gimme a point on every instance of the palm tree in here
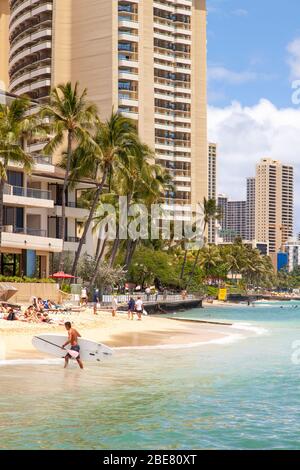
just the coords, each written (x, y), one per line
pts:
(210, 260)
(70, 116)
(115, 140)
(210, 212)
(141, 181)
(236, 259)
(150, 184)
(15, 125)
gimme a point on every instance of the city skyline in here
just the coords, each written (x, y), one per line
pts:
(251, 113)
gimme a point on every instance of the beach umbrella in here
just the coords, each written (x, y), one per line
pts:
(62, 275)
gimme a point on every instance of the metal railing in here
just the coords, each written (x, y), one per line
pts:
(72, 239)
(43, 159)
(31, 231)
(124, 298)
(27, 192)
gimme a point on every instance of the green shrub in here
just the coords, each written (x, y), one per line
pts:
(212, 291)
(66, 288)
(25, 279)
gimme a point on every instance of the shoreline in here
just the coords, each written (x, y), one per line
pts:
(118, 332)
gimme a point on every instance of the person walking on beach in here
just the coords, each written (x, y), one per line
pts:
(139, 306)
(84, 296)
(96, 300)
(114, 306)
(73, 336)
(148, 293)
(131, 307)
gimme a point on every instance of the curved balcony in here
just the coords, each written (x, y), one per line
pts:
(26, 40)
(33, 87)
(25, 57)
(29, 19)
(29, 75)
(34, 9)
(21, 7)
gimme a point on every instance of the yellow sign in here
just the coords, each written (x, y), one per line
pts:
(222, 294)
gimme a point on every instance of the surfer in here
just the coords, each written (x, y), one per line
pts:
(73, 341)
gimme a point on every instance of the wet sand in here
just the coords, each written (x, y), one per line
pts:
(15, 337)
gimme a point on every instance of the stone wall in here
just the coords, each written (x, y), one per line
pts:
(28, 290)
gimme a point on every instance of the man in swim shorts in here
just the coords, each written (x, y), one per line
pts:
(73, 336)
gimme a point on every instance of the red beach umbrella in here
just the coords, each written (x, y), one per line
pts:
(62, 275)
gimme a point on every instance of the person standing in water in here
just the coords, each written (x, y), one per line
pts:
(73, 336)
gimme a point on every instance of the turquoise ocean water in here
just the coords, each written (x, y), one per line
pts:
(242, 394)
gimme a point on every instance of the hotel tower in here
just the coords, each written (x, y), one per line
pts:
(274, 203)
(146, 58)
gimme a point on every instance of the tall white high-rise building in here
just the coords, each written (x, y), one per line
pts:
(250, 209)
(212, 187)
(274, 203)
(145, 58)
(233, 222)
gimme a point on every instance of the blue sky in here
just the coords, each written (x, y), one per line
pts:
(253, 59)
(249, 38)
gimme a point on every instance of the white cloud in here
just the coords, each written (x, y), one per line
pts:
(246, 134)
(240, 12)
(222, 74)
(293, 60)
(219, 73)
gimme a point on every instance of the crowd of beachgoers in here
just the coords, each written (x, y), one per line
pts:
(37, 312)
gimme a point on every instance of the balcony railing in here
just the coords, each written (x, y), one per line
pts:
(27, 192)
(73, 240)
(128, 17)
(130, 96)
(43, 159)
(129, 56)
(72, 204)
(31, 231)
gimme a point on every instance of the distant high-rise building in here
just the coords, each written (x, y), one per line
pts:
(212, 187)
(234, 219)
(145, 58)
(292, 248)
(274, 200)
(250, 223)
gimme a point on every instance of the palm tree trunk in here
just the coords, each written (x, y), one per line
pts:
(2, 183)
(89, 221)
(98, 247)
(196, 260)
(115, 248)
(99, 259)
(131, 251)
(183, 265)
(63, 202)
(128, 251)
(129, 241)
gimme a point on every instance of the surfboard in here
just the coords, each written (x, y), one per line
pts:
(90, 351)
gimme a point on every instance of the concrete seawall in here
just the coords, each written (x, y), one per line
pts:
(158, 308)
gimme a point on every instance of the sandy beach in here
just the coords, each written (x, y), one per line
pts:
(15, 337)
